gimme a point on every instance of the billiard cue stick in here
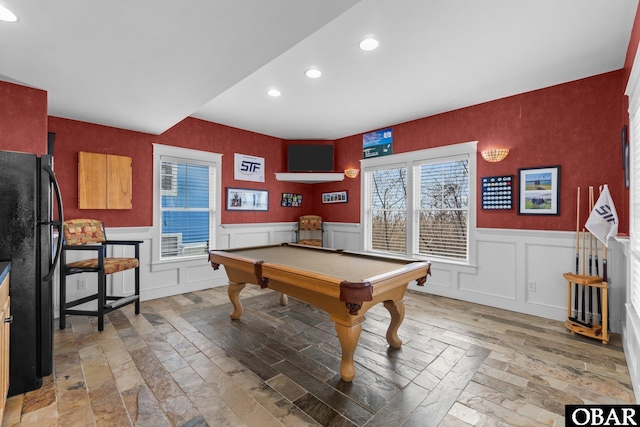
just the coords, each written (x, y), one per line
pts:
(590, 290)
(584, 254)
(575, 302)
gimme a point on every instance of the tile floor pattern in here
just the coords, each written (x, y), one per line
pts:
(183, 362)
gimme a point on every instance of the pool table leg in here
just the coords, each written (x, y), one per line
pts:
(234, 295)
(348, 336)
(396, 309)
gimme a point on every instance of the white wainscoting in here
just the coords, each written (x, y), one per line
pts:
(507, 261)
(174, 277)
(630, 325)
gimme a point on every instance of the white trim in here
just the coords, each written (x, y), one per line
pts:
(186, 153)
(420, 155)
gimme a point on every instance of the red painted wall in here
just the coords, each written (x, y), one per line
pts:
(207, 136)
(575, 125)
(74, 136)
(23, 119)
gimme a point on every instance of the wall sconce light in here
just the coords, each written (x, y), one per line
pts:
(351, 172)
(495, 154)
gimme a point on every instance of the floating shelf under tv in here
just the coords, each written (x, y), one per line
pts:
(310, 177)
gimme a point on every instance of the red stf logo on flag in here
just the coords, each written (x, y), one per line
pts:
(603, 221)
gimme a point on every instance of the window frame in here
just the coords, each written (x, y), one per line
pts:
(187, 155)
(633, 92)
(413, 160)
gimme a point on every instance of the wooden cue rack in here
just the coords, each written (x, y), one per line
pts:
(599, 332)
(582, 281)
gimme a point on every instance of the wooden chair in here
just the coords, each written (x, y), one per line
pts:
(310, 230)
(89, 235)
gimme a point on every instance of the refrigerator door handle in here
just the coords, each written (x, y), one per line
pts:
(57, 224)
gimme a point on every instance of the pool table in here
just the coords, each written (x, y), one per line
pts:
(344, 284)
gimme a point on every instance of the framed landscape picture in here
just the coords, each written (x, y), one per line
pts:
(539, 191)
(246, 199)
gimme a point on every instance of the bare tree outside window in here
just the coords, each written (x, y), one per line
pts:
(389, 210)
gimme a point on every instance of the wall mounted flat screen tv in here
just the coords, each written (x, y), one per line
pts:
(310, 158)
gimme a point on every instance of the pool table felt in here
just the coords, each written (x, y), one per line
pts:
(345, 266)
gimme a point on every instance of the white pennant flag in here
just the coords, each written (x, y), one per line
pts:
(603, 221)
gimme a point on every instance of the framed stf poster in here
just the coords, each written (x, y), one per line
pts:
(377, 143)
(248, 168)
(539, 191)
(246, 199)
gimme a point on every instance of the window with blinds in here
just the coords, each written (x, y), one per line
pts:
(388, 195)
(444, 208)
(420, 203)
(634, 280)
(186, 207)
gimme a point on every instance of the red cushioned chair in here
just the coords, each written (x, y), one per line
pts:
(88, 235)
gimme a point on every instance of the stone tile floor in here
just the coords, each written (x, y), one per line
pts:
(183, 362)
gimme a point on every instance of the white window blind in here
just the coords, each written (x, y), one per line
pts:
(635, 208)
(443, 211)
(388, 210)
(186, 207)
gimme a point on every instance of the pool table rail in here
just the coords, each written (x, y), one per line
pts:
(353, 293)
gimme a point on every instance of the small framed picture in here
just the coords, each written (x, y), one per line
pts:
(246, 199)
(539, 191)
(335, 197)
(291, 200)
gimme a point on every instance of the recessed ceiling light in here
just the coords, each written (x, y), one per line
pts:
(369, 44)
(313, 73)
(6, 15)
(274, 92)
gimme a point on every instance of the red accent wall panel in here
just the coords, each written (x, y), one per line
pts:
(23, 119)
(203, 135)
(73, 136)
(575, 125)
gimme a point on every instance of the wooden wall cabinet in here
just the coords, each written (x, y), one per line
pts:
(5, 325)
(104, 181)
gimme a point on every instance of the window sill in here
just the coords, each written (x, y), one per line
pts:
(172, 264)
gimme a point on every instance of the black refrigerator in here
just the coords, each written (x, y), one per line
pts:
(28, 225)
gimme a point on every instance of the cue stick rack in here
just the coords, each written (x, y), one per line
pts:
(586, 281)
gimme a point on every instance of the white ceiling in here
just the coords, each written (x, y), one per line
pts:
(145, 65)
